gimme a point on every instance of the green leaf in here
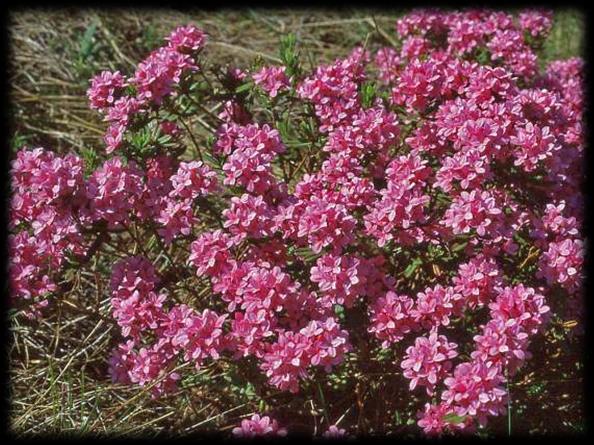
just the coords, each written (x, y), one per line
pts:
(141, 138)
(209, 158)
(339, 311)
(454, 418)
(86, 42)
(307, 254)
(150, 37)
(459, 246)
(368, 94)
(412, 267)
(244, 87)
(18, 141)
(283, 128)
(289, 55)
(90, 159)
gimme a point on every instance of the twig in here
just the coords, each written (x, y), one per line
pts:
(372, 21)
(112, 42)
(250, 51)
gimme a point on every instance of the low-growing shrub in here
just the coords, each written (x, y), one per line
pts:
(416, 211)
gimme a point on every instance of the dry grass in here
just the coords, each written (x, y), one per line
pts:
(58, 370)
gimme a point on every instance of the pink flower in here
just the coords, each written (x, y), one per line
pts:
(333, 432)
(432, 420)
(333, 90)
(249, 330)
(455, 149)
(157, 75)
(520, 305)
(421, 21)
(428, 361)
(476, 389)
(402, 202)
(329, 343)
(123, 110)
(187, 39)
(472, 210)
(339, 278)
(135, 304)
(193, 179)
(285, 361)
(259, 426)
(198, 335)
(104, 89)
(210, 253)
(272, 80)
(477, 280)
(537, 22)
(326, 224)
(435, 306)
(320, 343)
(251, 149)
(532, 145)
(177, 218)
(248, 217)
(113, 191)
(388, 61)
(419, 85)
(170, 128)
(391, 319)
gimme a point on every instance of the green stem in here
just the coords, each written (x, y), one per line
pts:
(508, 404)
(323, 403)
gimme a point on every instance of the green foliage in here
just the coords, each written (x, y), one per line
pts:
(142, 141)
(245, 87)
(289, 55)
(368, 94)
(412, 267)
(307, 254)
(454, 418)
(86, 44)
(339, 311)
(536, 388)
(150, 37)
(18, 141)
(86, 50)
(483, 56)
(90, 160)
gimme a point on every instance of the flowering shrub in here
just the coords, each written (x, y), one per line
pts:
(369, 206)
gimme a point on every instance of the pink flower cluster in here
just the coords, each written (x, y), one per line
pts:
(467, 33)
(476, 388)
(317, 344)
(104, 89)
(344, 279)
(258, 426)
(143, 314)
(250, 149)
(114, 192)
(472, 210)
(272, 80)
(191, 181)
(334, 432)
(333, 89)
(428, 361)
(155, 78)
(47, 193)
(537, 23)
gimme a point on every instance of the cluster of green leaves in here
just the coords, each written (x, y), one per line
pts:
(290, 56)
